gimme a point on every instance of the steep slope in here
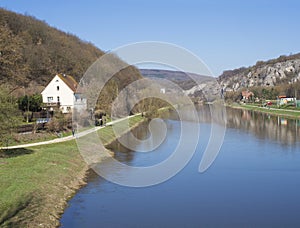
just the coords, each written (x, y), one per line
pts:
(178, 77)
(280, 76)
(32, 52)
(205, 90)
(282, 71)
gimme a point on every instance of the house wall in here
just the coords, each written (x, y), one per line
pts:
(287, 100)
(65, 94)
(80, 103)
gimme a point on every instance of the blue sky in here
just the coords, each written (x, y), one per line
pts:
(224, 34)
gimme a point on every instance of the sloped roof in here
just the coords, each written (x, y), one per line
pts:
(69, 80)
(247, 94)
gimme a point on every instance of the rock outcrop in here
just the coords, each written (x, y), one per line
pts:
(284, 70)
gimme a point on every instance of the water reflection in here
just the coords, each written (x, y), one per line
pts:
(265, 126)
(122, 153)
(135, 156)
(247, 186)
(262, 125)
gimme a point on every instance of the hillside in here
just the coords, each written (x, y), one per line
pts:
(268, 79)
(177, 77)
(279, 72)
(32, 52)
(206, 90)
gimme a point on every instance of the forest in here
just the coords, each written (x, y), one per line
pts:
(32, 53)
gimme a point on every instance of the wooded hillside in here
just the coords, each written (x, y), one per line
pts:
(33, 52)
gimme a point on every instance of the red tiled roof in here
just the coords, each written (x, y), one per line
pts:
(69, 80)
(247, 94)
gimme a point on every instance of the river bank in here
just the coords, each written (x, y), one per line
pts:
(251, 183)
(37, 182)
(295, 114)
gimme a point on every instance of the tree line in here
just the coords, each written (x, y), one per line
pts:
(267, 93)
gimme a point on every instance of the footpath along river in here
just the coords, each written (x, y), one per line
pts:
(254, 182)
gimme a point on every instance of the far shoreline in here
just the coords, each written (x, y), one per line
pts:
(291, 114)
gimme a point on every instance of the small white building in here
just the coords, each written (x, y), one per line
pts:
(287, 100)
(61, 92)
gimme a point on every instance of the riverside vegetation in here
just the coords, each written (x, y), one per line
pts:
(290, 113)
(39, 180)
(31, 53)
(36, 182)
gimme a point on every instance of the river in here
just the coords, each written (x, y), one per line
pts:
(252, 183)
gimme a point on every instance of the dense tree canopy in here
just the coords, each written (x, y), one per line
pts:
(33, 52)
(30, 103)
(30, 50)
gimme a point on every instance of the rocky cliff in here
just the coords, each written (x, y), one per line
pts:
(283, 70)
(283, 73)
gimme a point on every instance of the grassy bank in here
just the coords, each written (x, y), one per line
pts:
(36, 182)
(272, 111)
(107, 135)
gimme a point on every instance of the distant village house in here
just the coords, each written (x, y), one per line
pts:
(283, 100)
(246, 95)
(62, 92)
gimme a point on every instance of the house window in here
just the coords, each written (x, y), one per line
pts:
(57, 87)
(58, 100)
(49, 99)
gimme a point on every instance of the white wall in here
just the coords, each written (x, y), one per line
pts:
(65, 94)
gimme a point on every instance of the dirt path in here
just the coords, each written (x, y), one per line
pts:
(67, 138)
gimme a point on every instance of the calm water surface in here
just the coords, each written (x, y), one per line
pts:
(254, 182)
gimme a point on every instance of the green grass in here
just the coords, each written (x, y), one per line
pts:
(32, 138)
(45, 136)
(38, 175)
(36, 182)
(107, 134)
(281, 112)
(274, 105)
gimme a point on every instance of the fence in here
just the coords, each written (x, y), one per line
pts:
(30, 127)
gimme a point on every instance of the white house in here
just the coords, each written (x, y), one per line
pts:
(287, 100)
(61, 92)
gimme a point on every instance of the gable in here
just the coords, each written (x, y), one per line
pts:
(69, 81)
(57, 84)
(66, 79)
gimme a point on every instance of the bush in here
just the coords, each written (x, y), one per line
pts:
(59, 122)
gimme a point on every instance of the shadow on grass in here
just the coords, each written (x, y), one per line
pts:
(10, 216)
(8, 153)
